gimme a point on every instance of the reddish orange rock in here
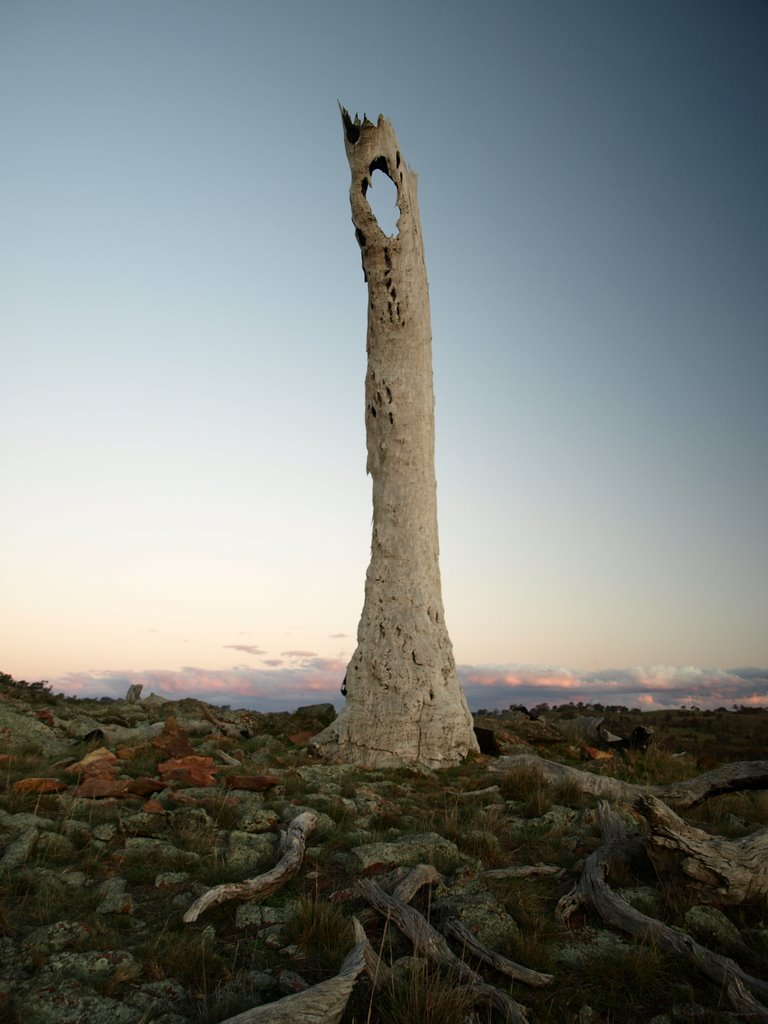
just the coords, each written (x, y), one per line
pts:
(153, 807)
(39, 786)
(194, 769)
(99, 789)
(143, 786)
(300, 738)
(597, 755)
(173, 741)
(100, 763)
(252, 783)
(44, 715)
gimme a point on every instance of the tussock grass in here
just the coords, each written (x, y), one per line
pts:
(421, 993)
(323, 934)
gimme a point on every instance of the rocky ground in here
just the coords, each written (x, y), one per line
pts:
(116, 816)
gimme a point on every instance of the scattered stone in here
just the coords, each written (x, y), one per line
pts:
(157, 852)
(19, 851)
(247, 851)
(713, 929)
(251, 783)
(133, 694)
(256, 915)
(33, 785)
(102, 789)
(376, 857)
(166, 879)
(54, 938)
(97, 764)
(192, 769)
(256, 819)
(114, 897)
(69, 1001)
(173, 741)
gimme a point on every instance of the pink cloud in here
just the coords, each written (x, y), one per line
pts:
(310, 678)
(267, 689)
(245, 648)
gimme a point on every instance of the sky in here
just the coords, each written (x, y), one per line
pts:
(182, 340)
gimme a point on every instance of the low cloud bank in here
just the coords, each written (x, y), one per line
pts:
(309, 679)
(657, 686)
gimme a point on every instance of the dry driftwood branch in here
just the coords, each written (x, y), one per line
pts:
(473, 945)
(417, 878)
(293, 841)
(320, 1004)
(425, 938)
(473, 793)
(593, 890)
(728, 778)
(406, 888)
(378, 972)
(430, 943)
(746, 1004)
(735, 871)
(526, 871)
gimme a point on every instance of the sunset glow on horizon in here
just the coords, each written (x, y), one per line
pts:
(183, 331)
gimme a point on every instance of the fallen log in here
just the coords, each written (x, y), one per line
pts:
(431, 944)
(746, 1004)
(500, 963)
(592, 890)
(406, 888)
(426, 939)
(731, 871)
(526, 871)
(728, 778)
(293, 841)
(378, 972)
(321, 1004)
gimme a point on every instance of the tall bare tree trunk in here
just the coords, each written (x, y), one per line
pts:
(404, 702)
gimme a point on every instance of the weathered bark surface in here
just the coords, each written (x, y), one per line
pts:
(320, 1004)
(593, 890)
(290, 855)
(404, 702)
(473, 945)
(730, 871)
(728, 778)
(431, 944)
(526, 871)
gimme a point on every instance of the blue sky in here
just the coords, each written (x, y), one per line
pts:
(182, 322)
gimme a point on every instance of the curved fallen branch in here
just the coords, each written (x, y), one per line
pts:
(293, 842)
(735, 871)
(378, 972)
(430, 943)
(406, 888)
(593, 890)
(473, 945)
(728, 778)
(321, 1004)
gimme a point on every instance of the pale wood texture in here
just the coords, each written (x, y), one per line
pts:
(592, 890)
(404, 702)
(727, 870)
(430, 943)
(728, 778)
(293, 841)
(473, 945)
(321, 1004)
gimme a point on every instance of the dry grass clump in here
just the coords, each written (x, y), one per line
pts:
(322, 933)
(420, 992)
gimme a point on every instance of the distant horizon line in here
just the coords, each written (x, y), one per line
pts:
(313, 679)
